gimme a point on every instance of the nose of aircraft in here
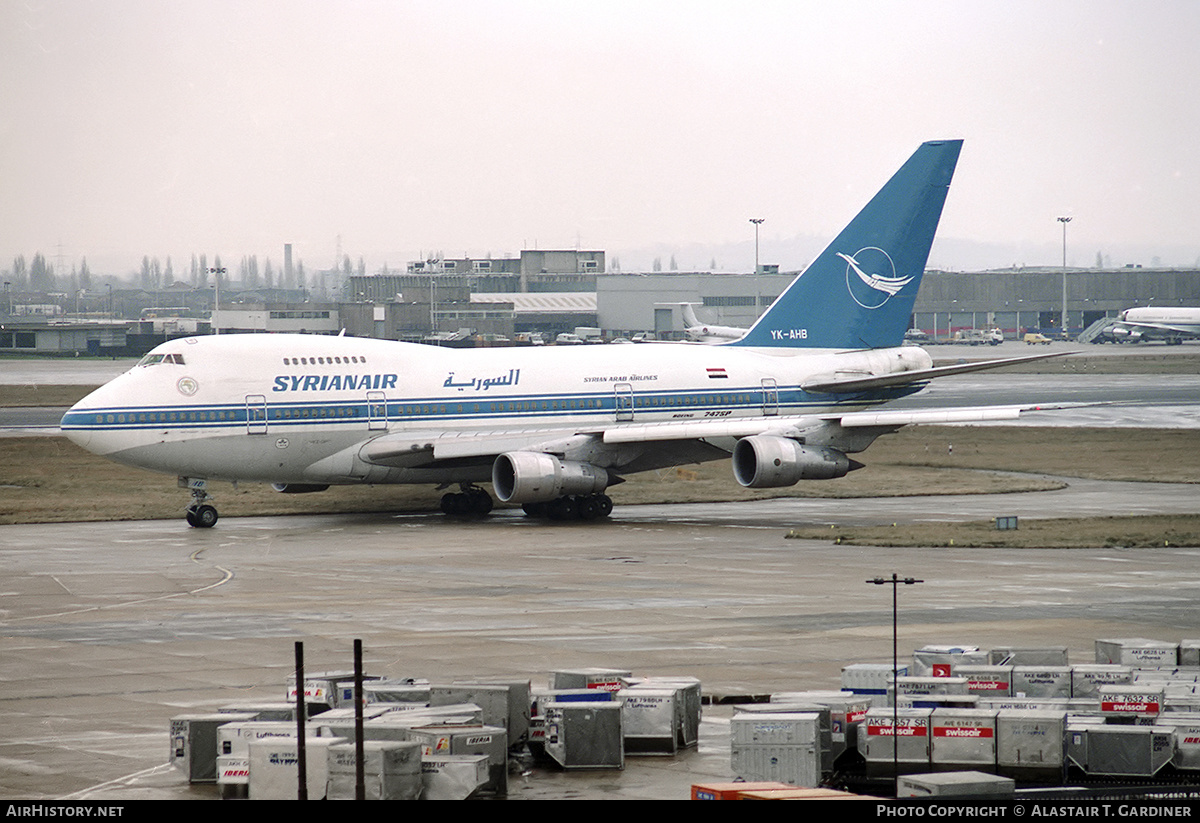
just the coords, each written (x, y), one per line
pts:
(83, 424)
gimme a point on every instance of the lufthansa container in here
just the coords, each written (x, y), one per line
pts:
(908, 686)
(986, 681)
(391, 770)
(1028, 656)
(1041, 681)
(688, 702)
(233, 752)
(783, 746)
(584, 735)
(904, 738)
(649, 718)
(963, 738)
(1119, 751)
(1029, 743)
(870, 678)
(1137, 652)
(1087, 678)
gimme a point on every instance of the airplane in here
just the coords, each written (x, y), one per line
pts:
(703, 332)
(551, 428)
(1155, 323)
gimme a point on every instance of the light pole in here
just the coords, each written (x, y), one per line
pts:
(757, 221)
(894, 581)
(1064, 221)
(216, 272)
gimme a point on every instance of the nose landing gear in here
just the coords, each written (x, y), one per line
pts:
(201, 514)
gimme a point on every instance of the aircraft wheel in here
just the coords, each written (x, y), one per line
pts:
(606, 505)
(450, 503)
(564, 508)
(589, 508)
(534, 509)
(480, 502)
(191, 517)
(205, 517)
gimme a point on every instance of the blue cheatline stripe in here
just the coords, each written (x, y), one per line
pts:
(660, 405)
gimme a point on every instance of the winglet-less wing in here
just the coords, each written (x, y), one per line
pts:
(793, 425)
(849, 385)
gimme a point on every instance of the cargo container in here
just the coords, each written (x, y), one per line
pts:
(782, 746)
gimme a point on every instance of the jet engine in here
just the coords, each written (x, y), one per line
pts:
(765, 462)
(298, 488)
(536, 477)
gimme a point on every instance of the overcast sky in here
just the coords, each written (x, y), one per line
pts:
(231, 127)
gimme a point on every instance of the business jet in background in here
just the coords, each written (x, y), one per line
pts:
(1156, 323)
(705, 332)
(551, 428)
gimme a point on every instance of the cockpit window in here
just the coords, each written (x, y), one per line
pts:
(155, 359)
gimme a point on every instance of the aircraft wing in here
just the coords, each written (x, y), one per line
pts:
(1160, 327)
(409, 447)
(795, 424)
(416, 448)
(851, 384)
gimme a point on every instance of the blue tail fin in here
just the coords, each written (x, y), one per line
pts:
(859, 293)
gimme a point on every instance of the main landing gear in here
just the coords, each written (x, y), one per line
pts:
(472, 500)
(201, 514)
(572, 507)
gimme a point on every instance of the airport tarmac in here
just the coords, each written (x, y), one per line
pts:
(107, 630)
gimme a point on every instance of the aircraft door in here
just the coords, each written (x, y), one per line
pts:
(377, 411)
(770, 397)
(256, 414)
(623, 401)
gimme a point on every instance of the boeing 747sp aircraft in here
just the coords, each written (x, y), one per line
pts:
(552, 428)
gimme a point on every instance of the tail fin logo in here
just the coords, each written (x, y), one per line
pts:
(872, 290)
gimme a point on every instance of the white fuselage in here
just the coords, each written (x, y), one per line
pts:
(1154, 321)
(300, 408)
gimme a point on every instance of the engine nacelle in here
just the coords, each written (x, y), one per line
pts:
(298, 488)
(765, 462)
(536, 477)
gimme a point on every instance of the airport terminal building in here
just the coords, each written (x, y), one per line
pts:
(549, 292)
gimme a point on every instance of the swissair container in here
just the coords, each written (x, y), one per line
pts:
(963, 738)
(906, 739)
